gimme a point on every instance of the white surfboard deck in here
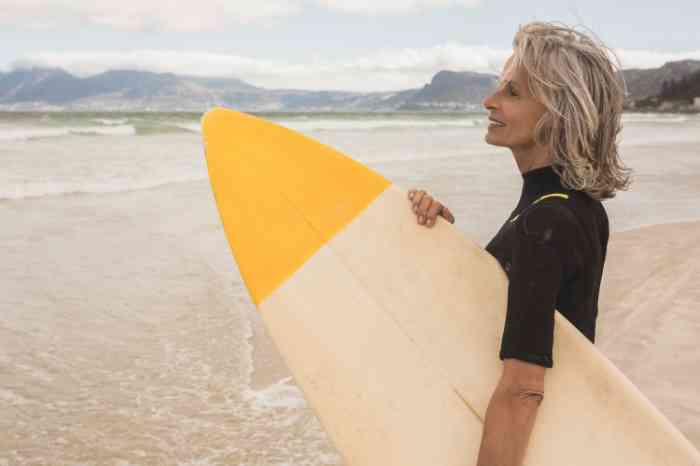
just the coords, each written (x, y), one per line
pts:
(392, 332)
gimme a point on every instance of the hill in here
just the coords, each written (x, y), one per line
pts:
(54, 88)
(648, 82)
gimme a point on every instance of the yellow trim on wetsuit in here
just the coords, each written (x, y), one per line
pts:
(562, 195)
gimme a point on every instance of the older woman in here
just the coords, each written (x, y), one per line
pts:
(558, 109)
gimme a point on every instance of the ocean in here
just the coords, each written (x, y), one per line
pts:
(126, 334)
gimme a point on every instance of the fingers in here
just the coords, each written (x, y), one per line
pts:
(416, 196)
(421, 203)
(447, 215)
(432, 213)
(427, 209)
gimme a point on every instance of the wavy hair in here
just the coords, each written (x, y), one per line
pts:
(574, 77)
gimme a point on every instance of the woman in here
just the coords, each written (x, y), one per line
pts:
(558, 109)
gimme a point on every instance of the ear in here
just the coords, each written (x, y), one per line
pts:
(544, 128)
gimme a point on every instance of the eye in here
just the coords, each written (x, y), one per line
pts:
(511, 90)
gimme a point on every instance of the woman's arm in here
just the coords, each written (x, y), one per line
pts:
(511, 414)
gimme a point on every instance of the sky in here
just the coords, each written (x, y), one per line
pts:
(353, 45)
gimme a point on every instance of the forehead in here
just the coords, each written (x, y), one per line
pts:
(512, 73)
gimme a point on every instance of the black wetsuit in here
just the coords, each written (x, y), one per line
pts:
(553, 250)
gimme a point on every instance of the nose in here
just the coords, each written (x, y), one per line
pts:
(489, 101)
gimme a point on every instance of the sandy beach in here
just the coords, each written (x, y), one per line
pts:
(649, 323)
(109, 370)
(128, 338)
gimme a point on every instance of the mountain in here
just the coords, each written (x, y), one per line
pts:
(450, 89)
(647, 83)
(56, 87)
(685, 89)
(40, 88)
(44, 85)
(142, 90)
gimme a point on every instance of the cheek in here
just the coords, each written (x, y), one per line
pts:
(536, 115)
(527, 122)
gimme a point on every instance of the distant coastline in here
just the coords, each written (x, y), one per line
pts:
(671, 88)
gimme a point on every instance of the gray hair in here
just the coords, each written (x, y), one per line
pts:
(573, 76)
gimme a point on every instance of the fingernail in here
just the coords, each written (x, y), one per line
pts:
(421, 219)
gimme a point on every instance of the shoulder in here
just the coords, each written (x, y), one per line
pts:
(550, 221)
(552, 232)
(549, 238)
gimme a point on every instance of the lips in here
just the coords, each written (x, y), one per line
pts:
(496, 122)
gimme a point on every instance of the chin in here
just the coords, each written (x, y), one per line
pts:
(493, 141)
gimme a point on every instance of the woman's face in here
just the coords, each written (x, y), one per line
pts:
(513, 111)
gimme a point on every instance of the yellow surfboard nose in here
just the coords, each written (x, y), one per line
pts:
(281, 195)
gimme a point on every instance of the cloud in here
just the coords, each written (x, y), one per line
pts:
(162, 15)
(652, 59)
(141, 15)
(392, 6)
(383, 70)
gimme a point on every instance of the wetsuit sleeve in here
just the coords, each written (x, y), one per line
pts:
(543, 258)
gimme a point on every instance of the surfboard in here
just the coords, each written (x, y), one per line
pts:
(392, 330)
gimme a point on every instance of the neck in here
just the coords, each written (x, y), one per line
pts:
(531, 157)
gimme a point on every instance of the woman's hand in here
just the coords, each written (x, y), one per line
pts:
(427, 209)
